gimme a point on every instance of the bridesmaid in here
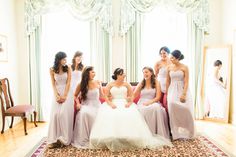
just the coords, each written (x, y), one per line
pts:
(152, 111)
(180, 104)
(90, 90)
(77, 67)
(61, 121)
(161, 72)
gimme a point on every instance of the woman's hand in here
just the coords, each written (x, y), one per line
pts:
(183, 98)
(128, 104)
(113, 106)
(63, 99)
(77, 102)
(58, 99)
(146, 103)
(110, 97)
(128, 99)
(78, 106)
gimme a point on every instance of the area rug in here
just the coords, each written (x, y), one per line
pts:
(198, 147)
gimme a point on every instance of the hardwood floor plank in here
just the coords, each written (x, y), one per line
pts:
(13, 143)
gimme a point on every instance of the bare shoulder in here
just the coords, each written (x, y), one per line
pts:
(98, 82)
(157, 82)
(169, 67)
(110, 84)
(51, 70)
(140, 84)
(169, 62)
(127, 84)
(184, 67)
(157, 64)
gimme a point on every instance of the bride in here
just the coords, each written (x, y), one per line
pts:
(119, 125)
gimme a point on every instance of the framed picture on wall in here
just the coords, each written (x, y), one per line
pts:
(3, 48)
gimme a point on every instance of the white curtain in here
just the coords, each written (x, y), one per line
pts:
(89, 10)
(101, 55)
(198, 24)
(81, 9)
(199, 8)
(33, 44)
(133, 49)
(195, 49)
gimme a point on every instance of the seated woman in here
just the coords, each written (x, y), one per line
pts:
(152, 111)
(89, 91)
(180, 104)
(119, 125)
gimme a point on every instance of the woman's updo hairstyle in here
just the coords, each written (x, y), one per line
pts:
(217, 63)
(177, 54)
(117, 72)
(164, 48)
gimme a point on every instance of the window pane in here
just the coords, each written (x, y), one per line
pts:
(162, 28)
(61, 32)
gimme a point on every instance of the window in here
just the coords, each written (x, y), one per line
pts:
(60, 32)
(162, 27)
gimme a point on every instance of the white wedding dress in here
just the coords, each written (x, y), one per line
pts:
(122, 128)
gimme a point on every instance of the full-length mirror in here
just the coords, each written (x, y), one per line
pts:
(216, 82)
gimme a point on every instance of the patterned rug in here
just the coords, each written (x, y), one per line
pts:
(198, 147)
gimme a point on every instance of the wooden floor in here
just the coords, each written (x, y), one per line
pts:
(13, 143)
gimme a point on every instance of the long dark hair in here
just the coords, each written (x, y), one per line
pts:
(58, 57)
(118, 71)
(84, 82)
(80, 66)
(153, 79)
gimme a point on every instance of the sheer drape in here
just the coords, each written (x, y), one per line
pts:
(133, 49)
(101, 51)
(89, 10)
(198, 22)
(34, 39)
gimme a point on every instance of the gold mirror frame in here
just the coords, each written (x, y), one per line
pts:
(211, 50)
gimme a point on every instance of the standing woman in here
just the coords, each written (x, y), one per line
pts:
(161, 72)
(77, 67)
(61, 121)
(90, 90)
(149, 106)
(180, 104)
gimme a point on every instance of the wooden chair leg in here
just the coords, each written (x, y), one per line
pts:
(3, 124)
(12, 120)
(35, 115)
(24, 120)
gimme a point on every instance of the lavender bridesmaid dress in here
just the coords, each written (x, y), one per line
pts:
(162, 80)
(180, 114)
(154, 114)
(75, 79)
(85, 119)
(61, 121)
